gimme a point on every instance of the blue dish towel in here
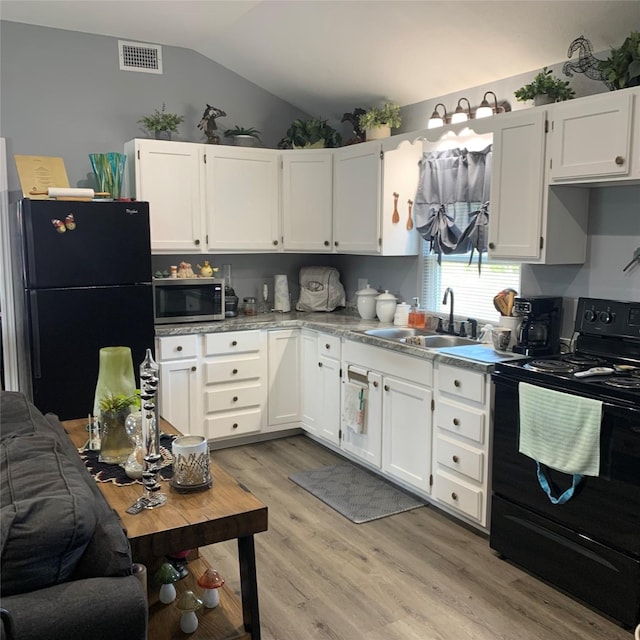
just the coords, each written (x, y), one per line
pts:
(560, 430)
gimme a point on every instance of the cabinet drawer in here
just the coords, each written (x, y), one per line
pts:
(462, 421)
(233, 423)
(177, 347)
(459, 495)
(232, 369)
(329, 346)
(229, 398)
(460, 457)
(231, 342)
(461, 383)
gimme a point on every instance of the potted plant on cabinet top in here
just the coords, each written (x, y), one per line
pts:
(622, 67)
(243, 136)
(314, 133)
(378, 121)
(545, 88)
(161, 123)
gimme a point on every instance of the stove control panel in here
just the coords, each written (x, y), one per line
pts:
(610, 318)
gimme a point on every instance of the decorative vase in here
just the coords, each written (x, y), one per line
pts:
(376, 133)
(115, 392)
(244, 141)
(541, 99)
(311, 145)
(108, 169)
(163, 135)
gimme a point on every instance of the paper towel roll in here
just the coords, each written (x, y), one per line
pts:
(281, 294)
(70, 192)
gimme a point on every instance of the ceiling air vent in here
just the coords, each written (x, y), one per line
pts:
(138, 56)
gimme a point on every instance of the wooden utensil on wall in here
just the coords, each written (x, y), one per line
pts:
(395, 218)
(409, 219)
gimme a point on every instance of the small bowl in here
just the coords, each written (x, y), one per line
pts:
(501, 336)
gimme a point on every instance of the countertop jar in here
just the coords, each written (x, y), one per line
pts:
(250, 306)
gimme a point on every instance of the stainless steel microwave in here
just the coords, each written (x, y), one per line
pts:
(188, 300)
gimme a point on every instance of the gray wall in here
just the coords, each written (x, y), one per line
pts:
(64, 95)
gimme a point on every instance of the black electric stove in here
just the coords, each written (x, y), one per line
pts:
(589, 547)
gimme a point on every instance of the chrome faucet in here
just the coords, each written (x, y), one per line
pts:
(451, 327)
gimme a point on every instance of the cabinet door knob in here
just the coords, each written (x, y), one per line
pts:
(457, 383)
(179, 348)
(319, 364)
(275, 243)
(619, 160)
(454, 495)
(386, 387)
(234, 343)
(326, 243)
(456, 422)
(454, 458)
(492, 245)
(235, 398)
(197, 242)
(234, 425)
(375, 384)
(234, 372)
(193, 368)
(335, 244)
(327, 346)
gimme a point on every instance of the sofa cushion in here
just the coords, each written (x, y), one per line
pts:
(47, 513)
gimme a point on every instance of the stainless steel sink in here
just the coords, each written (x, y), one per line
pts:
(438, 340)
(395, 333)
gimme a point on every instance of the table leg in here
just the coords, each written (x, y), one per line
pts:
(249, 586)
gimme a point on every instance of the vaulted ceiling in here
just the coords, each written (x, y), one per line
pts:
(326, 56)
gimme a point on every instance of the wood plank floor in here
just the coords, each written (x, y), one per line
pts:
(417, 575)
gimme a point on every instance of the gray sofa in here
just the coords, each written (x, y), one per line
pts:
(65, 560)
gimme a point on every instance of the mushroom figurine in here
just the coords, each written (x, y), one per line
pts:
(210, 581)
(166, 575)
(189, 603)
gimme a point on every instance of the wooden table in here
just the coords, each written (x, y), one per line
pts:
(187, 521)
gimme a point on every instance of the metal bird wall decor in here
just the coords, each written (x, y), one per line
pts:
(586, 63)
(208, 123)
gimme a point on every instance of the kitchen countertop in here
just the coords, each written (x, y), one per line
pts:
(345, 324)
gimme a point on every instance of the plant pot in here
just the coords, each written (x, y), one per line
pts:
(244, 141)
(163, 135)
(542, 99)
(311, 145)
(377, 133)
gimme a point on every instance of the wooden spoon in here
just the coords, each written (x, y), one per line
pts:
(395, 218)
(409, 220)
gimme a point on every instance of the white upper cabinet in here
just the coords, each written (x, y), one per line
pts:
(307, 200)
(517, 185)
(169, 176)
(242, 198)
(366, 177)
(592, 139)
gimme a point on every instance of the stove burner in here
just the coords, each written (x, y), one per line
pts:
(551, 366)
(583, 360)
(623, 382)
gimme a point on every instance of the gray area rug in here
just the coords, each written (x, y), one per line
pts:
(357, 494)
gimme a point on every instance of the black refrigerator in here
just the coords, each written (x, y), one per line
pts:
(82, 281)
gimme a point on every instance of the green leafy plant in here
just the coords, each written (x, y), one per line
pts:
(161, 121)
(242, 131)
(305, 133)
(388, 115)
(545, 83)
(117, 403)
(622, 67)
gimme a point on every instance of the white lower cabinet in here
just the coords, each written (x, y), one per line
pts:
(234, 383)
(284, 349)
(321, 385)
(461, 441)
(179, 391)
(398, 412)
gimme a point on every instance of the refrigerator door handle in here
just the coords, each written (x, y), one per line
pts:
(35, 335)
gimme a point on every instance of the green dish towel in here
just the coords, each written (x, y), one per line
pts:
(560, 430)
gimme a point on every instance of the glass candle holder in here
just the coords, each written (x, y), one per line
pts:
(191, 470)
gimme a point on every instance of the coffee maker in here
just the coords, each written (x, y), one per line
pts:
(539, 332)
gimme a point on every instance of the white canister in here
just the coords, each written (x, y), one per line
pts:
(191, 470)
(366, 303)
(401, 316)
(386, 306)
(281, 301)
